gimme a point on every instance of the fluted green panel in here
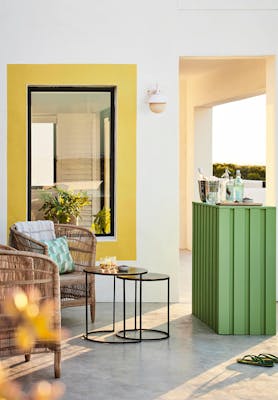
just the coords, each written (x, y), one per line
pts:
(234, 261)
(225, 273)
(214, 265)
(270, 281)
(241, 271)
(257, 283)
(194, 260)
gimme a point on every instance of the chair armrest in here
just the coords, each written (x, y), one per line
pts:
(25, 269)
(22, 242)
(50, 267)
(5, 247)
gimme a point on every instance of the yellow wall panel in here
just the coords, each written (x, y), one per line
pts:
(19, 77)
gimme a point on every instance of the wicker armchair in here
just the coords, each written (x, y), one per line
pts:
(28, 270)
(5, 247)
(82, 245)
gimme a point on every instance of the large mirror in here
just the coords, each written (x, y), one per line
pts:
(71, 147)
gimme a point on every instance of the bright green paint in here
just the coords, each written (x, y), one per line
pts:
(234, 264)
(270, 281)
(241, 271)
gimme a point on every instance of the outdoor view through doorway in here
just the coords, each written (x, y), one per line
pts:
(239, 142)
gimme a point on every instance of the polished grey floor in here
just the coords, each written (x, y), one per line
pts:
(194, 363)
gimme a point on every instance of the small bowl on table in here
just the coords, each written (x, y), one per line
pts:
(123, 268)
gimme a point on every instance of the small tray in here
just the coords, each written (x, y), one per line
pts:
(232, 203)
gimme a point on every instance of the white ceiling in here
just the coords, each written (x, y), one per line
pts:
(192, 67)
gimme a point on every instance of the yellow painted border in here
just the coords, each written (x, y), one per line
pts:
(19, 76)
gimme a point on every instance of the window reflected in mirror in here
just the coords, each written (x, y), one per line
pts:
(71, 155)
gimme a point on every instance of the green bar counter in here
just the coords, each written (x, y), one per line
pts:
(234, 268)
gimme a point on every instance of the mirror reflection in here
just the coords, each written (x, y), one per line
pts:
(71, 143)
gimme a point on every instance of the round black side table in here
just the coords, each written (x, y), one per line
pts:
(149, 277)
(92, 335)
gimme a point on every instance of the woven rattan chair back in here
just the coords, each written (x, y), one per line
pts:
(27, 271)
(82, 245)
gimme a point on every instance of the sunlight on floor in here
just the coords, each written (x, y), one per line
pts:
(195, 363)
(229, 376)
(17, 367)
(150, 320)
(185, 278)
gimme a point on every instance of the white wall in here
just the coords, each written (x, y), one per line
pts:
(149, 33)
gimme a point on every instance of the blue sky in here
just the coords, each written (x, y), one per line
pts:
(239, 132)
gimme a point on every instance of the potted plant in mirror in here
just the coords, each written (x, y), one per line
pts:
(64, 206)
(101, 224)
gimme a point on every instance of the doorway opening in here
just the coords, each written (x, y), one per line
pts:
(207, 83)
(239, 143)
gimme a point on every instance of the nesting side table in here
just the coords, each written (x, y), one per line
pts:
(149, 277)
(93, 335)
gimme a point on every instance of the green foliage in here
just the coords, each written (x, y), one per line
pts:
(101, 224)
(62, 205)
(252, 172)
(253, 176)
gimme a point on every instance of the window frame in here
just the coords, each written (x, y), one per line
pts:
(50, 88)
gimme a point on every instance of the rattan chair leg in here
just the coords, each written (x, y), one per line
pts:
(93, 312)
(27, 357)
(57, 363)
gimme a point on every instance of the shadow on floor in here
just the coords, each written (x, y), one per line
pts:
(194, 363)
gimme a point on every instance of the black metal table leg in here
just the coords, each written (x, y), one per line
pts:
(135, 306)
(124, 306)
(114, 296)
(95, 338)
(163, 334)
(86, 336)
(168, 307)
(86, 283)
(140, 310)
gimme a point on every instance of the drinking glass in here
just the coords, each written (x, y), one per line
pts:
(212, 190)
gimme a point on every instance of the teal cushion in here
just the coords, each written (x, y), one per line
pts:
(58, 251)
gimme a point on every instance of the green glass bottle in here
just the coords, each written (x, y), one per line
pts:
(238, 187)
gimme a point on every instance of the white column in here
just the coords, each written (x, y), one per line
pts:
(271, 142)
(202, 144)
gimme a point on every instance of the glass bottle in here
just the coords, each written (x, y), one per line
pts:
(223, 182)
(200, 175)
(230, 189)
(202, 185)
(238, 187)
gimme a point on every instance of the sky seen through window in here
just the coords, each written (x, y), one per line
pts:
(239, 132)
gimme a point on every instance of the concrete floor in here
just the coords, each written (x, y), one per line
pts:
(195, 363)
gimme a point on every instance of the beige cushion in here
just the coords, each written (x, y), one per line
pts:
(38, 230)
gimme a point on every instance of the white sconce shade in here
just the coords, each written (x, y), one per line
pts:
(157, 102)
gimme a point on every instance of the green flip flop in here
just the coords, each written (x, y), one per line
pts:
(251, 359)
(268, 356)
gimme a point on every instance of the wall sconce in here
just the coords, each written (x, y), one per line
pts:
(157, 102)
